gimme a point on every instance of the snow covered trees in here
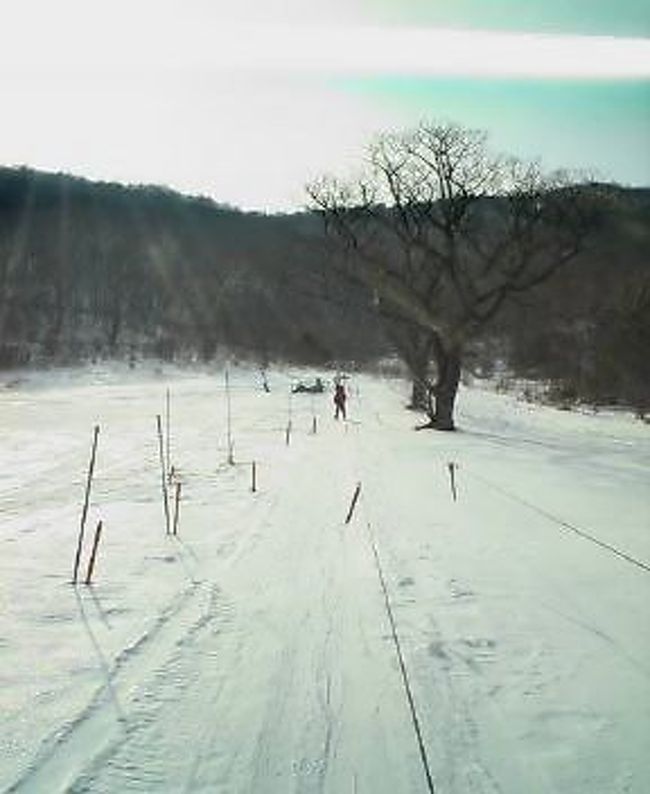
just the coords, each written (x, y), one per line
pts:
(443, 233)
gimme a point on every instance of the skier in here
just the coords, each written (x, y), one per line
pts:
(339, 400)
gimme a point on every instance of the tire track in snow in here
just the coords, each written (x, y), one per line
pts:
(119, 761)
(168, 713)
(146, 706)
(309, 667)
(408, 692)
(536, 674)
(456, 737)
(63, 756)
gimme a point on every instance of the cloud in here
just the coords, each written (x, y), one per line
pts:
(249, 111)
(344, 50)
(433, 52)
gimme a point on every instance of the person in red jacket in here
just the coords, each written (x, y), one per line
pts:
(339, 400)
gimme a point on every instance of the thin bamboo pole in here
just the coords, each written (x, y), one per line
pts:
(353, 504)
(163, 473)
(177, 501)
(168, 430)
(231, 457)
(93, 554)
(84, 512)
(289, 418)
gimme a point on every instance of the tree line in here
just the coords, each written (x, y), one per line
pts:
(94, 269)
(439, 254)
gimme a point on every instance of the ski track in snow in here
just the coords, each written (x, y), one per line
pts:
(254, 652)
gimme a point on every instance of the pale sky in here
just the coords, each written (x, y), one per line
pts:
(246, 101)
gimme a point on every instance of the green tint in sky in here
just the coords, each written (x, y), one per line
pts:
(247, 101)
(602, 17)
(600, 126)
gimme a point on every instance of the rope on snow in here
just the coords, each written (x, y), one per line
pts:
(564, 524)
(402, 665)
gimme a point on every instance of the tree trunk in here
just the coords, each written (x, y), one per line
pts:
(115, 326)
(53, 337)
(419, 394)
(415, 347)
(446, 388)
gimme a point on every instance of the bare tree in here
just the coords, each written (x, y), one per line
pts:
(443, 233)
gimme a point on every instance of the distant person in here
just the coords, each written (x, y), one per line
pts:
(339, 400)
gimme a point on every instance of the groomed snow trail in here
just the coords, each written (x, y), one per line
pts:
(254, 653)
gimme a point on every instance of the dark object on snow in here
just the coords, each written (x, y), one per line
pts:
(84, 513)
(302, 388)
(93, 555)
(353, 504)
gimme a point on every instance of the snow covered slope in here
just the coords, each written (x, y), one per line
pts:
(255, 653)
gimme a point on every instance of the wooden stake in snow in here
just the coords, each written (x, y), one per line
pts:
(289, 417)
(163, 473)
(84, 512)
(353, 504)
(168, 433)
(452, 479)
(254, 477)
(93, 554)
(314, 425)
(177, 500)
(231, 456)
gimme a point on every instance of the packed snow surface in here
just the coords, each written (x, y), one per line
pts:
(254, 651)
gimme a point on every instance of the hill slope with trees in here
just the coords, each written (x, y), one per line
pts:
(92, 269)
(97, 269)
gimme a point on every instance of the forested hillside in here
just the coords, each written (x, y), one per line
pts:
(95, 269)
(588, 329)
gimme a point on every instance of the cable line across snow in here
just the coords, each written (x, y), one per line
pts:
(402, 665)
(564, 524)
